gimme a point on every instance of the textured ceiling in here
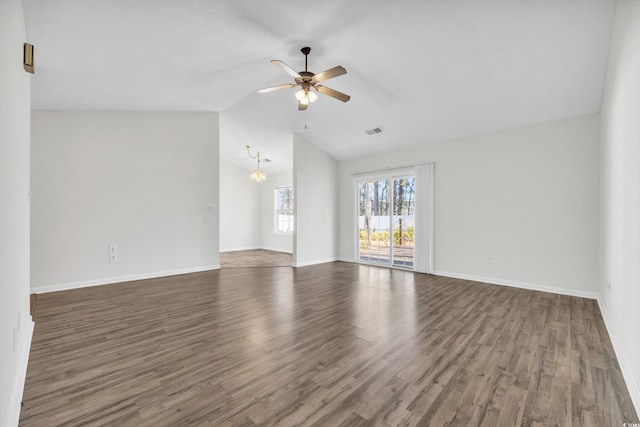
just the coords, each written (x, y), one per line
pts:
(424, 71)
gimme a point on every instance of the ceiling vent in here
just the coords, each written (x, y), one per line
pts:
(373, 131)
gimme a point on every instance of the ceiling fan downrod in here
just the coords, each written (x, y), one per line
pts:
(305, 51)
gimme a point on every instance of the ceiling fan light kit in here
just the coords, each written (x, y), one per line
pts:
(308, 82)
(306, 97)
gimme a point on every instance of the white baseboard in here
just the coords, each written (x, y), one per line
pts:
(632, 384)
(256, 248)
(242, 248)
(314, 262)
(15, 403)
(511, 283)
(516, 284)
(111, 280)
(276, 250)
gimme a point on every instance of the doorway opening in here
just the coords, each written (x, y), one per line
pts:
(256, 218)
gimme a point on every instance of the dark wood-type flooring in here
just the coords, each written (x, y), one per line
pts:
(255, 258)
(336, 344)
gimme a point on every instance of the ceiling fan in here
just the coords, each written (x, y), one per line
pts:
(308, 81)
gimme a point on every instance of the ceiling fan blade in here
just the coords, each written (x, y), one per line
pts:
(273, 88)
(333, 93)
(285, 68)
(302, 106)
(330, 73)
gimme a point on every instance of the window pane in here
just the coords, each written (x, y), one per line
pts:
(284, 209)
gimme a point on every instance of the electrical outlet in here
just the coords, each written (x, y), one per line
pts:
(489, 259)
(113, 257)
(609, 284)
(113, 248)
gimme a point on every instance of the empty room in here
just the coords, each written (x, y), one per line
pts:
(340, 213)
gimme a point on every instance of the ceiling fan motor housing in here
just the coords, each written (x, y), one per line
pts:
(305, 79)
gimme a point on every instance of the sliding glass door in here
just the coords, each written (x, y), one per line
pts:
(386, 208)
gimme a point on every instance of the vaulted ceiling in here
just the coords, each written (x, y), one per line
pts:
(424, 71)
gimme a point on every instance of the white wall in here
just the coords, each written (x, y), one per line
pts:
(316, 203)
(528, 197)
(145, 181)
(270, 240)
(15, 105)
(620, 139)
(240, 209)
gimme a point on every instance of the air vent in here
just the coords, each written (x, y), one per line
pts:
(373, 131)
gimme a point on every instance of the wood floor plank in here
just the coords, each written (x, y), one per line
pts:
(255, 258)
(327, 345)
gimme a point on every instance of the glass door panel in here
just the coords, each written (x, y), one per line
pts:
(373, 221)
(385, 221)
(403, 221)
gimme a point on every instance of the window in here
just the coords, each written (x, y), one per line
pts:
(284, 209)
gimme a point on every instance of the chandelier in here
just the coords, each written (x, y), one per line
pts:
(256, 175)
